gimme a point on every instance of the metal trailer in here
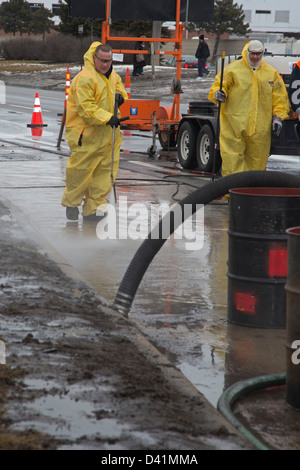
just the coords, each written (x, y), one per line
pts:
(196, 138)
(148, 114)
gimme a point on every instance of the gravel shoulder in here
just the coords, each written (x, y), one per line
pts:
(157, 86)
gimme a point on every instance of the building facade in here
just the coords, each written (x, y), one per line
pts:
(273, 16)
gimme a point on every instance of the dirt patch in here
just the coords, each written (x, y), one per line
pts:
(79, 375)
(29, 66)
(154, 86)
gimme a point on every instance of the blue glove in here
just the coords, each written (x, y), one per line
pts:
(276, 125)
(220, 96)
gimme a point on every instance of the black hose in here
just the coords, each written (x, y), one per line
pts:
(213, 190)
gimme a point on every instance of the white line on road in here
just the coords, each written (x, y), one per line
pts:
(27, 107)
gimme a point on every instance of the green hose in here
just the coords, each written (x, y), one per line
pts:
(240, 389)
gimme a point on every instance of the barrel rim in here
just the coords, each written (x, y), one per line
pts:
(266, 191)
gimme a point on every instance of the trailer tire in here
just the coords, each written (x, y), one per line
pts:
(167, 139)
(205, 149)
(186, 145)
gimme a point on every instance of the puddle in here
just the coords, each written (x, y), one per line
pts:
(66, 416)
(72, 413)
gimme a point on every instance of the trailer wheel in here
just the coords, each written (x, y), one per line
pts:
(186, 146)
(164, 137)
(205, 150)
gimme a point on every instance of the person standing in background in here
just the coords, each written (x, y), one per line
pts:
(294, 89)
(294, 95)
(139, 59)
(202, 54)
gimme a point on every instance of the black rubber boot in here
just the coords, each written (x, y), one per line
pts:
(72, 213)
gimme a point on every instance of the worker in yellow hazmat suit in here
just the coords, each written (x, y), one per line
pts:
(254, 102)
(89, 131)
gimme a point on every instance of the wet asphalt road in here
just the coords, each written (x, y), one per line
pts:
(181, 304)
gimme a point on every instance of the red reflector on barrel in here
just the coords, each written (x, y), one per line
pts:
(278, 263)
(245, 302)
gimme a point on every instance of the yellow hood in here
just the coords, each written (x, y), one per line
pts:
(88, 56)
(245, 56)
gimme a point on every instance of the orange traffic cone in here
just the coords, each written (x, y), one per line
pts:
(127, 84)
(37, 118)
(36, 132)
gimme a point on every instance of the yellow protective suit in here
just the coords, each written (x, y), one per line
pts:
(90, 106)
(252, 98)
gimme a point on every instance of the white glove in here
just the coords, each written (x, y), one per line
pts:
(276, 125)
(220, 96)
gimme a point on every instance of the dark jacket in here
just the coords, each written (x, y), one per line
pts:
(202, 51)
(294, 87)
(140, 45)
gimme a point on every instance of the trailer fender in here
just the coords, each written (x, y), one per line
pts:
(165, 113)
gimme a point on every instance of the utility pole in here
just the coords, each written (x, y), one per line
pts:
(155, 46)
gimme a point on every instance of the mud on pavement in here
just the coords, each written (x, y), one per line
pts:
(78, 375)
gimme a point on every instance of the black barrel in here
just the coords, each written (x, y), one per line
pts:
(257, 254)
(293, 319)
